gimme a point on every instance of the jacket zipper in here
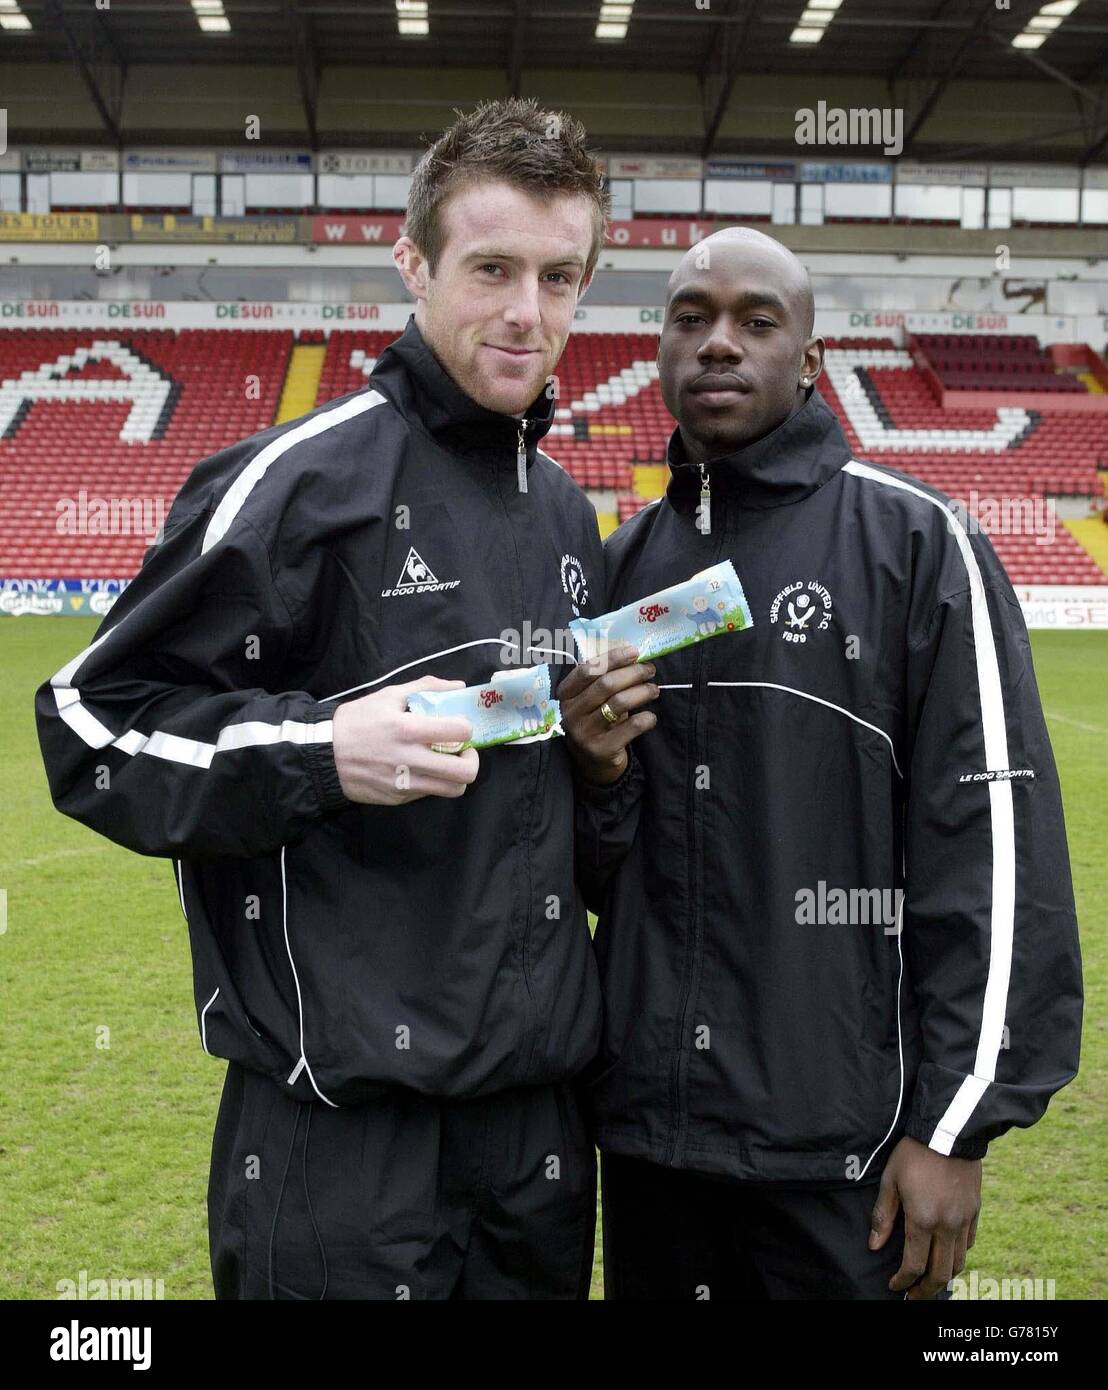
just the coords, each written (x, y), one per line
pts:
(704, 514)
(525, 970)
(521, 456)
(696, 875)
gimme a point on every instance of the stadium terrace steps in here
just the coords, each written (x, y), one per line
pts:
(649, 479)
(1091, 533)
(129, 419)
(301, 382)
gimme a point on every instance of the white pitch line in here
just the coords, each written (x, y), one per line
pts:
(57, 854)
(1076, 723)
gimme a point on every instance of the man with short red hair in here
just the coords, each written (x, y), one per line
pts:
(388, 943)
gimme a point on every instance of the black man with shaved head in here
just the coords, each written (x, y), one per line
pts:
(836, 926)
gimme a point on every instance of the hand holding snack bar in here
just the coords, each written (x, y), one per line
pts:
(383, 753)
(710, 604)
(603, 704)
(510, 707)
(598, 697)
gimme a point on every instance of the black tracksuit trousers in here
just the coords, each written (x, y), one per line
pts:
(671, 1234)
(406, 1197)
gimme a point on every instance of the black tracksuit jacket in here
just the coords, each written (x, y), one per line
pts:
(879, 728)
(340, 948)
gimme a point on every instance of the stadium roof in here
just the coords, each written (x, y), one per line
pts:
(889, 38)
(928, 43)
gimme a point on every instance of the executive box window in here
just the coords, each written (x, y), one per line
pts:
(83, 190)
(10, 193)
(279, 190)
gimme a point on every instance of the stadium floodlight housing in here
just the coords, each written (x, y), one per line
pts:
(211, 17)
(412, 19)
(12, 17)
(1041, 25)
(814, 20)
(614, 17)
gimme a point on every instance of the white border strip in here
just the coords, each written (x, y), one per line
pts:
(231, 501)
(299, 1000)
(181, 888)
(1002, 823)
(419, 661)
(804, 695)
(899, 1036)
(204, 1021)
(250, 734)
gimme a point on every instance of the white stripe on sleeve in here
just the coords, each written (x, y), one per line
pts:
(250, 734)
(1002, 823)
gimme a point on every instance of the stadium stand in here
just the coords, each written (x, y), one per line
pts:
(981, 362)
(1007, 452)
(129, 414)
(122, 416)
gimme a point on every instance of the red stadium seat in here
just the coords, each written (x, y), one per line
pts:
(610, 416)
(190, 394)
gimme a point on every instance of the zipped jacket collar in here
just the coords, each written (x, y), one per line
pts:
(410, 375)
(790, 463)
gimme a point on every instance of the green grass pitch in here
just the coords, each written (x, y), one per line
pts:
(104, 1150)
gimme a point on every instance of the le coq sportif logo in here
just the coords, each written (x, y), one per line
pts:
(417, 577)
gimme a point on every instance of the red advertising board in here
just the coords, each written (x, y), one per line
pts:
(354, 229)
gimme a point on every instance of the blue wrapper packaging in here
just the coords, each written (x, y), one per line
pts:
(710, 604)
(511, 707)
